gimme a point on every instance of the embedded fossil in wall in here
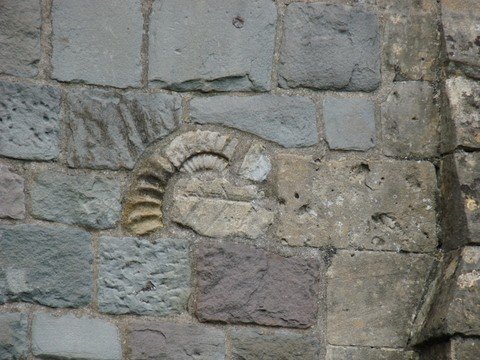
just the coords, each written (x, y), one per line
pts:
(189, 152)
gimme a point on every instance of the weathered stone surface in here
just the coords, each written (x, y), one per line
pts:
(256, 164)
(373, 297)
(330, 47)
(169, 341)
(13, 336)
(216, 207)
(367, 353)
(281, 345)
(410, 121)
(20, 37)
(97, 43)
(456, 348)
(244, 284)
(12, 198)
(140, 277)
(29, 116)
(404, 7)
(287, 120)
(460, 199)
(218, 45)
(69, 337)
(86, 200)
(48, 265)
(321, 202)
(349, 123)
(110, 130)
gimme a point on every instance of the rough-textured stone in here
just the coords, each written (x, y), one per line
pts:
(69, 337)
(256, 164)
(19, 37)
(218, 208)
(48, 265)
(373, 297)
(97, 42)
(453, 349)
(244, 284)
(169, 341)
(109, 130)
(12, 198)
(367, 353)
(356, 202)
(330, 47)
(281, 345)
(287, 120)
(87, 200)
(209, 45)
(410, 121)
(13, 336)
(349, 123)
(460, 199)
(137, 276)
(29, 116)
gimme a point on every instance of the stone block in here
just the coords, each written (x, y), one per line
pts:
(12, 197)
(87, 200)
(97, 42)
(107, 130)
(410, 121)
(349, 123)
(244, 284)
(256, 164)
(218, 45)
(171, 341)
(368, 353)
(29, 117)
(456, 348)
(70, 337)
(140, 277)
(287, 120)
(320, 203)
(51, 266)
(281, 345)
(330, 47)
(13, 336)
(20, 37)
(373, 297)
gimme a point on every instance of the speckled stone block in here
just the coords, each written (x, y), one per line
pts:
(12, 197)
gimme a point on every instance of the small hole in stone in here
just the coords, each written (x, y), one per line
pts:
(238, 22)
(296, 195)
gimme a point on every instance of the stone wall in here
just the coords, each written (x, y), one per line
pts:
(240, 179)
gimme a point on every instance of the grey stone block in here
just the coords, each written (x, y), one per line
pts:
(51, 266)
(97, 42)
(140, 277)
(349, 123)
(169, 341)
(29, 116)
(107, 130)
(330, 47)
(20, 37)
(220, 45)
(12, 197)
(13, 336)
(367, 353)
(69, 337)
(287, 120)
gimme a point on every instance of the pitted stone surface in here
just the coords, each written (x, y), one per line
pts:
(281, 345)
(287, 120)
(220, 45)
(13, 336)
(106, 130)
(69, 337)
(349, 123)
(97, 42)
(366, 353)
(29, 116)
(373, 297)
(331, 47)
(20, 37)
(169, 341)
(140, 277)
(51, 266)
(410, 121)
(12, 197)
(256, 164)
(86, 200)
(243, 284)
(321, 202)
